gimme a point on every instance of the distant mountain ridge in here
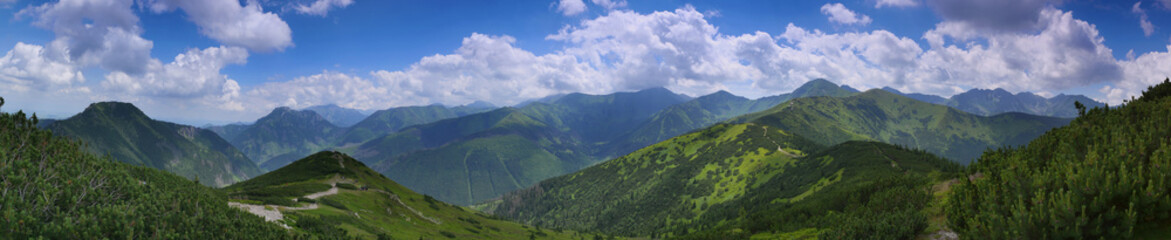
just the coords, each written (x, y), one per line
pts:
(878, 115)
(285, 135)
(339, 116)
(128, 135)
(990, 102)
(718, 182)
(710, 109)
(487, 154)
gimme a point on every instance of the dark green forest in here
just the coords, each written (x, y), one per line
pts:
(53, 189)
(1105, 175)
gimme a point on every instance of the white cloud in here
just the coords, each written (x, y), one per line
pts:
(993, 16)
(838, 13)
(31, 66)
(230, 23)
(1064, 53)
(571, 7)
(325, 88)
(94, 32)
(1139, 73)
(896, 3)
(321, 7)
(610, 4)
(193, 74)
(1143, 22)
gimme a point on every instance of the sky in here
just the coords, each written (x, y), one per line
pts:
(222, 61)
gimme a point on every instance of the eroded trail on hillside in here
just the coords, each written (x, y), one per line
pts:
(272, 213)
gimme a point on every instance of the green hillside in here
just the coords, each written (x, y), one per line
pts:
(470, 159)
(360, 203)
(726, 180)
(55, 190)
(285, 135)
(1102, 176)
(392, 120)
(710, 109)
(473, 158)
(227, 131)
(128, 135)
(878, 115)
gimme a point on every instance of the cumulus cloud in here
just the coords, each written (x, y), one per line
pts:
(571, 7)
(483, 68)
(896, 3)
(610, 4)
(1143, 23)
(993, 16)
(321, 7)
(230, 23)
(1065, 53)
(94, 32)
(195, 73)
(838, 13)
(324, 88)
(31, 66)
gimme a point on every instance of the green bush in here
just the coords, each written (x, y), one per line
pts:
(347, 186)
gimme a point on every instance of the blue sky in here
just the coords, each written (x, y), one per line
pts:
(220, 61)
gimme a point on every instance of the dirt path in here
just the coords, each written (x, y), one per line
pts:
(272, 213)
(779, 149)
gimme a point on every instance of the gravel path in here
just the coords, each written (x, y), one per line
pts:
(275, 214)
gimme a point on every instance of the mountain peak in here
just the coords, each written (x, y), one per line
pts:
(892, 90)
(318, 165)
(120, 109)
(820, 87)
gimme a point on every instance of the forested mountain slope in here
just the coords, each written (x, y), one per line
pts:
(1105, 175)
(128, 135)
(726, 179)
(57, 190)
(469, 159)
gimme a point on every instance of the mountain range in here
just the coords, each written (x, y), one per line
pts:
(848, 165)
(125, 133)
(989, 102)
(878, 115)
(339, 116)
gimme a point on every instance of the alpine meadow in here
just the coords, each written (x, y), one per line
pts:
(585, 119)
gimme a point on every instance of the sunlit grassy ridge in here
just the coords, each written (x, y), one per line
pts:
(368, 205)
(878, 115)
(726, 181)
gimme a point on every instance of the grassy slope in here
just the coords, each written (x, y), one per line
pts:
(386, 208)
(56, 190)
(394, 119)
(1102, 176)
(128, 135)
(883, 116)
(474, 158)
(707, 110)
(690, 183)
